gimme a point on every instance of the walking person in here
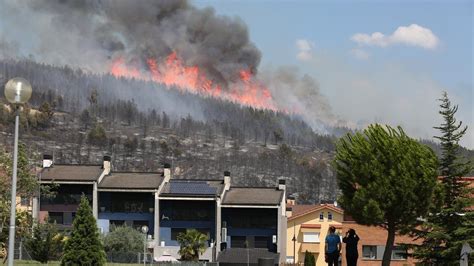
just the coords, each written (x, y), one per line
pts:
(332, 247)
(351, 240)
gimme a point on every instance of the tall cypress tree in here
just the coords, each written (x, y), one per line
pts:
(84, 246)
(309, 259)
(452, 223)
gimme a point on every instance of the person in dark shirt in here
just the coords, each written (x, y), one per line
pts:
(351, 240)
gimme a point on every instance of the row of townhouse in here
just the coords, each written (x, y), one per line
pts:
(242, 223)
(236, 220)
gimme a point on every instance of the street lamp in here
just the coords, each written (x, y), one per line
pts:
(17, 91)
(294, 244)
(144, 231)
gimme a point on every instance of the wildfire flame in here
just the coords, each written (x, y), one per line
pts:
(175, 74)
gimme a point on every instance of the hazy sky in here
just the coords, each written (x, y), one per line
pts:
(376, 61)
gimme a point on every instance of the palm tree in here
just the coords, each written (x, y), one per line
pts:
(192, 243)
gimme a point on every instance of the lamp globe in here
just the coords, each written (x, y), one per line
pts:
(18, 90)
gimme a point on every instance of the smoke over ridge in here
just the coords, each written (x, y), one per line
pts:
(95, 34)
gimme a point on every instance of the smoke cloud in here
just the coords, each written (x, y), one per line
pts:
(290, 88)
(86, 31)
(92, 34)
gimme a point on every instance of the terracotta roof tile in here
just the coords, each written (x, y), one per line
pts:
(316, 208)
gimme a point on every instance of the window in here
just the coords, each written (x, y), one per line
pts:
(249, 218)
(67, 218)
(321, 216)
(184, 211)
(369, 252)
(329, 216)
(262, 241)
(399, 253)
(376, 253)
(238, 241)
(310, 237)
(56, 217)
(175, 232)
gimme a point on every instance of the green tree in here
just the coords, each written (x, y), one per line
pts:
(123, 239)
(84, 246)
(192, 243)
(309, 259)
(387, 179)
(27, 186)
(45, 243)
(97, 136)
(452, 224)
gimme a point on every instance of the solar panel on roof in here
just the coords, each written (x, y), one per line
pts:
(195, 188)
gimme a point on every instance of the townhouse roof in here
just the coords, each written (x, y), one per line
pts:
(192, 188)
(132, 180)
(71, 172)
(246, 256)
(252, 196)
(306, 210)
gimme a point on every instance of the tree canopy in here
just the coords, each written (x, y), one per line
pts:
(192, 243)
(84, 246)
(27, 186)
(387, 179)
(123, 239)
(45, 243)
(309, 259)
(452, 223)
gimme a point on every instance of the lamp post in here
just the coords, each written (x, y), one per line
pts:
(17, 91)
(144, 231)
(294, 243)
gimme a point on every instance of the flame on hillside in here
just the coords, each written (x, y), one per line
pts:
(247, 90)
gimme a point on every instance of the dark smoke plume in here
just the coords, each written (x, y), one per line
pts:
(142, 29)
(91, 34)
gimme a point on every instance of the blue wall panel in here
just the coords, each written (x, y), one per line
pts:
(107, 216)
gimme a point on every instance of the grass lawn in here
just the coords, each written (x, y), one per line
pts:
(56, 263)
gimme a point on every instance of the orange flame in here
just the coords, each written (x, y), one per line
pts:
(174, 73)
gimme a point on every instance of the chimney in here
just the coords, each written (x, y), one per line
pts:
(107, 166)
(281, 184)
(290, 200)
(167, 172)
(47, 160)
(226, 180)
